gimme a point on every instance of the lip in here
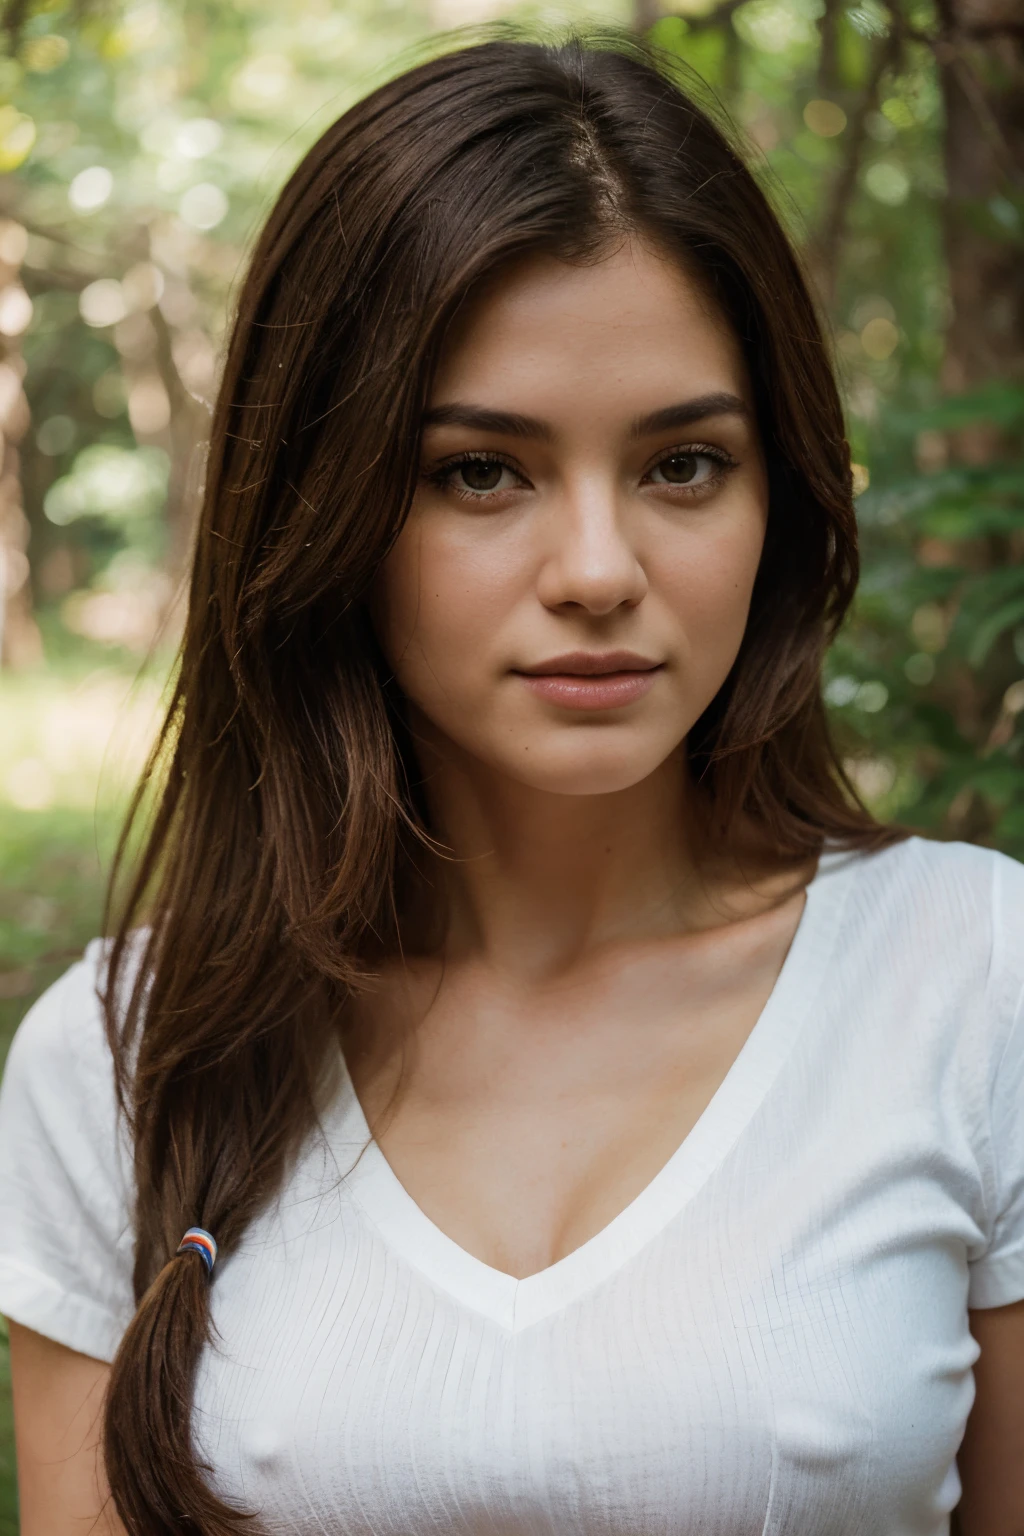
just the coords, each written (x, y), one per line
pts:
(590, 664)
(592, 680)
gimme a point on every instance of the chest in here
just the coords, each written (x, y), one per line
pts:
(788, 1352)
(770, 1339)
(523, 1121)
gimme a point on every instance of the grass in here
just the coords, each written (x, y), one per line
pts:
(73, 737)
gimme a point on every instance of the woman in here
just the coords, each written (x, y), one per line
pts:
(551, 1102)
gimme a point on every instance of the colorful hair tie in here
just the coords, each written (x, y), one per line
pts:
(197, 1240)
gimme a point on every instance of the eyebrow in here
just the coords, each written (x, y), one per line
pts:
(688, 411)
(481, 419)
(510, 424)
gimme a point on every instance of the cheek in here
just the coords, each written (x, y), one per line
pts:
(438, 601)
(707, 580)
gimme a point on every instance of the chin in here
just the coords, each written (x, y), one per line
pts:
(583, 767)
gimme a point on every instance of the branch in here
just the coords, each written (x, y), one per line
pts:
(15, 15)
(828, 29)
(645, 14)
(947, 47)
(830, 236)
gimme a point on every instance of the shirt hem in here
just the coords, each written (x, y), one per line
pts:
(997, 1281)
(37, 1301)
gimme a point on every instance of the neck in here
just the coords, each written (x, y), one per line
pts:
(536, 879)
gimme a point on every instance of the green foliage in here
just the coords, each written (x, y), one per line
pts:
(51, 900)
(148, 138)
(939, 626)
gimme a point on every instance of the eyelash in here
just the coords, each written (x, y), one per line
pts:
(441, 475)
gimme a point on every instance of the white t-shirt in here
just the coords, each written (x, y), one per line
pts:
(772, 1338)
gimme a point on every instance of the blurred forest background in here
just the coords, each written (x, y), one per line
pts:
(142, 143)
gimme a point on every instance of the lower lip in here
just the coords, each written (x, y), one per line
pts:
(606, 690)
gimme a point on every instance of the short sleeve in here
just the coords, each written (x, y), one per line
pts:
(997, 1275)
(66, 1245)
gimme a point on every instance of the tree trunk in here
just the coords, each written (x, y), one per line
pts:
(645, 14)
(20, 642)
(981, 69)
(980, 57)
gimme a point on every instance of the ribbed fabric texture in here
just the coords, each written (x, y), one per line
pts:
(773, 1338)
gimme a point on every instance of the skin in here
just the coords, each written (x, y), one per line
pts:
(552, 1071)
(601, 969)
(58, 1399)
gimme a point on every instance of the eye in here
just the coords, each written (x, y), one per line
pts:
(481, 474)
(680, 469)
(691, 467)
(475, 476)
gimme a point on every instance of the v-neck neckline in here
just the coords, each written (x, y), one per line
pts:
(514, 1304)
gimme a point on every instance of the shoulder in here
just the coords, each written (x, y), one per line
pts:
(952, 900)
(950, 869)
(58, 1080)
(64, 1028)
(929, 942)
(63, 1036)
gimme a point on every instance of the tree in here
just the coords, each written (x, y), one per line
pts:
(979, 45)
(141, 142)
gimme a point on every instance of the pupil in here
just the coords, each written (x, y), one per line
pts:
(482, 474)
(679, 469)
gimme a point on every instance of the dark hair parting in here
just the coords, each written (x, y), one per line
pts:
(286, 840)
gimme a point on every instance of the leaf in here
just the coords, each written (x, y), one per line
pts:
(988, 632)
(1011, 823)
(984, 589)
(999, 781)
(998, 404)
(970, 520)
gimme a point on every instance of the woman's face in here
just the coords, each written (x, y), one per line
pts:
(572, 584)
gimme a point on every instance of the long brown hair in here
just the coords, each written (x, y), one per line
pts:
(288, 821)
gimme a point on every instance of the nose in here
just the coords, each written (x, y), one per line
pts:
(590, 560)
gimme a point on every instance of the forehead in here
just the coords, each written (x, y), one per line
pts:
(634, 321)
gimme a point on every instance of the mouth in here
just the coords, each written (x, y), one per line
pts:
(593, 680)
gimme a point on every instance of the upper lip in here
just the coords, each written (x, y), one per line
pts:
(591, 664)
